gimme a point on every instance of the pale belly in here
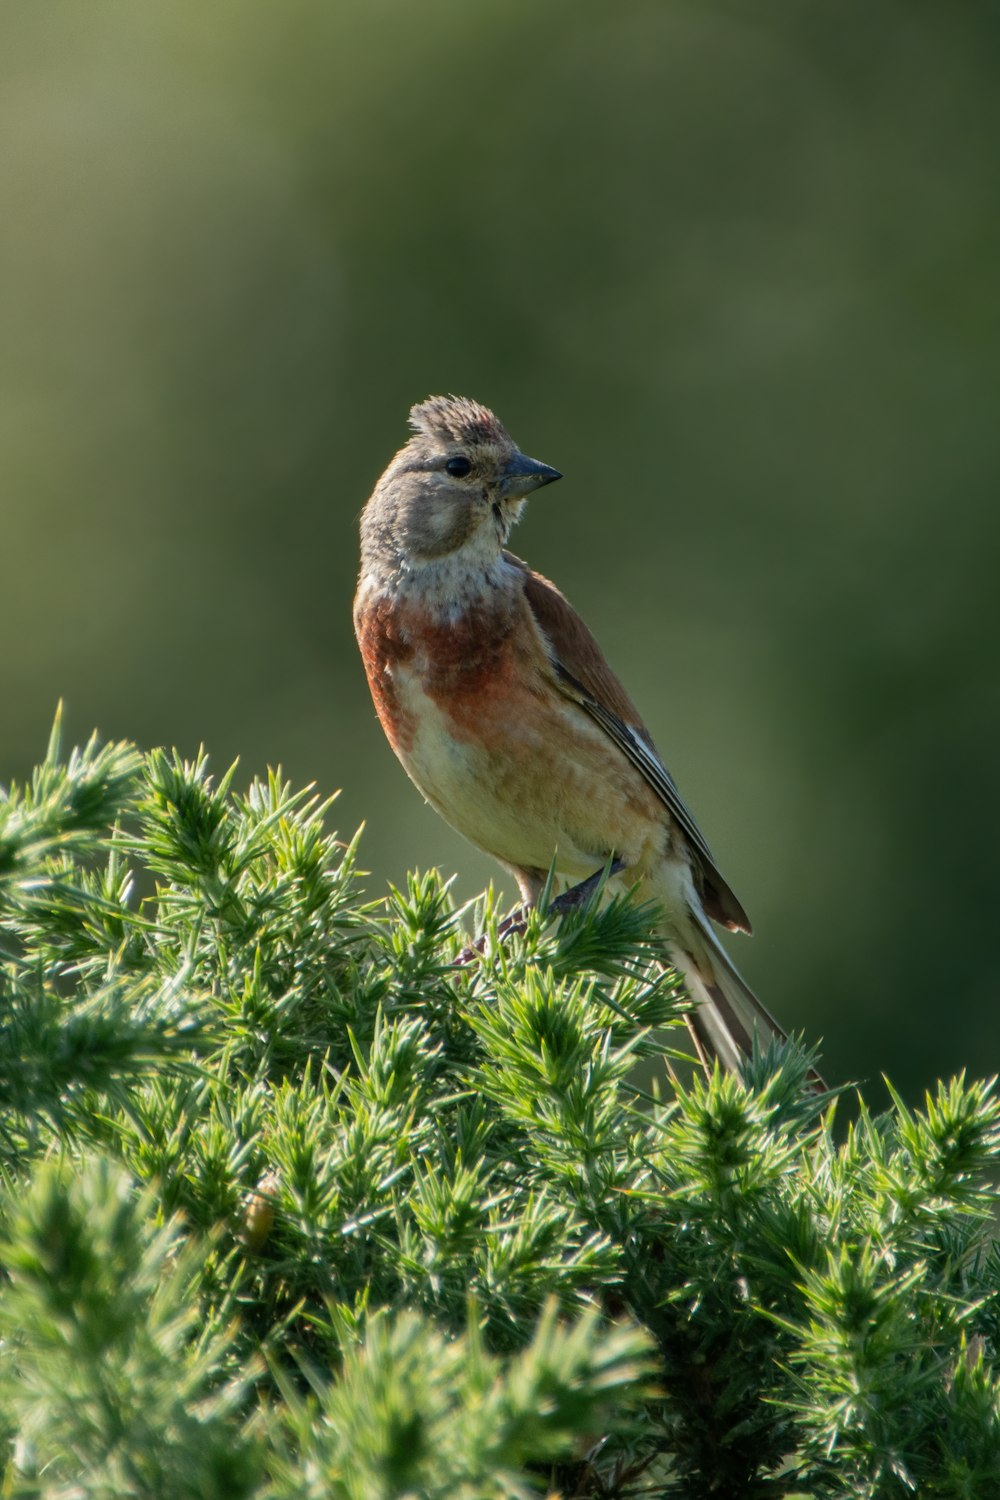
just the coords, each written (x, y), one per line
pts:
(532, 782)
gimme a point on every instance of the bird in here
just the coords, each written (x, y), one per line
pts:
(505, 714)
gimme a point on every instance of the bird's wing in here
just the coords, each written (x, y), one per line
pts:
(584, 676)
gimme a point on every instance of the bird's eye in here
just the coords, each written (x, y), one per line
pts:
(458, 466)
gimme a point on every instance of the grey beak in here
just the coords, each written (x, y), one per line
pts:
(523, 474)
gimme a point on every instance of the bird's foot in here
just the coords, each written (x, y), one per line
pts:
(579, 895)
(517, 920)
(514, 921)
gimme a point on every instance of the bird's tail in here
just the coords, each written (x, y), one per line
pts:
(727, 1016)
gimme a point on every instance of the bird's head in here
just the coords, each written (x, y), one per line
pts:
(458, 485)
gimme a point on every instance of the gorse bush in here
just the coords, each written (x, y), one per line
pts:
(295, 1203)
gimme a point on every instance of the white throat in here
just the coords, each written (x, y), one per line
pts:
(447, 585)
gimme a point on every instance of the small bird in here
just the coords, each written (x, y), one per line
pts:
(505, 714)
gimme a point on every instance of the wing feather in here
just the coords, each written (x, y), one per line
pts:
(584, 675)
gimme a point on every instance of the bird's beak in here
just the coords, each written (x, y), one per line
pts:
(521, 475)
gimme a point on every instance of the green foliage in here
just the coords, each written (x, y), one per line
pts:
(300, 1199)
(419, 1412)
(114, 1381)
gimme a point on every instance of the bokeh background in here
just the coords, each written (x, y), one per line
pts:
(734, 268)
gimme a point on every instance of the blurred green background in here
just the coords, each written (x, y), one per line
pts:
(734, 268)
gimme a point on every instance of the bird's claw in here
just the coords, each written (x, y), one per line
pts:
(517, 920)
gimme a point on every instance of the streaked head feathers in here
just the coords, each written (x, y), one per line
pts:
(457, 419)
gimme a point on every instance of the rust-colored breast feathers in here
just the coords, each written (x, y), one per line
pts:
(466, 663)
(384, 645)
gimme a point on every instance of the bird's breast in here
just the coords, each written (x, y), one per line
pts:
(471, 709)
(463, 662)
